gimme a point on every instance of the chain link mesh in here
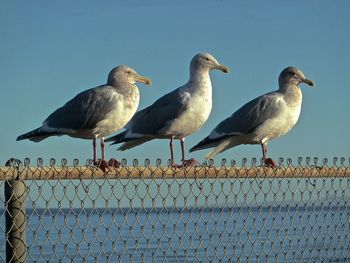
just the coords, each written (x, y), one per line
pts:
(297, 212)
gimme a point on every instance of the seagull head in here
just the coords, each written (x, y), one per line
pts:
(205, 61)
(293, 76)
(124, 74)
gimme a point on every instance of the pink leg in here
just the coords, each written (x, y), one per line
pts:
(268, 162)
(171, 151)
(102, 164)
(189, 162)
(102, 143)
(94, 149)
(264, 150)
(182, 142)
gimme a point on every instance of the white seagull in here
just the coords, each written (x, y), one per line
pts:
(95, 113)
(262, 119)
(176, 114)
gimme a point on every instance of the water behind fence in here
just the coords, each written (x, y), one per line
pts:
(142, 213)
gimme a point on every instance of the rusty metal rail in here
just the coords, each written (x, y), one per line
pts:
(154, 172)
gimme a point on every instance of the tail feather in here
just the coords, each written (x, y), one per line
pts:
(119, 138)
(207, 143)
(36, 135)
(220, 147)
(128, 142)
(133, 142)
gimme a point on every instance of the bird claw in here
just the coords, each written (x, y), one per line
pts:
(102, 164)
(190, 162)
(268, 162)
(186, 163)
(105, 166)
(114, 163)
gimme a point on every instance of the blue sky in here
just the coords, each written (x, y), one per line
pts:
(50, 51)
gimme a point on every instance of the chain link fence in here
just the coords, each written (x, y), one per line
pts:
(298, 212)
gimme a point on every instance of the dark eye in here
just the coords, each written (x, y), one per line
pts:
(207, 59)
(128, 71)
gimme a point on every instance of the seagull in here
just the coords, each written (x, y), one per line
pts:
(177, 114)
(95, 113)
(260, 120)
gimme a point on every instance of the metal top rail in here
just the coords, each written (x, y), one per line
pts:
(146, 171)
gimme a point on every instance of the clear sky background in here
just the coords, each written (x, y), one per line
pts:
(51, 51)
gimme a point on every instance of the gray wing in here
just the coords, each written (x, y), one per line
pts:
(157, 117)
(250, 116)
(84, 111)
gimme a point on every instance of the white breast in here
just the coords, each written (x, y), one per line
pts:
(199, 104)
(125, 107)
(281, 124)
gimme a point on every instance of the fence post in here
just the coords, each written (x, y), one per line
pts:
(15, 195)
